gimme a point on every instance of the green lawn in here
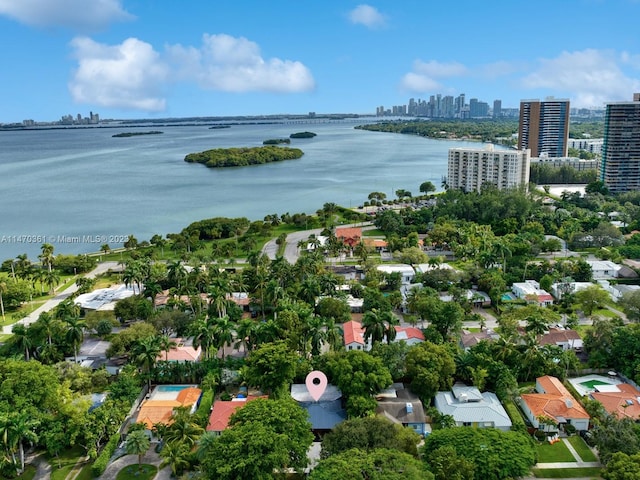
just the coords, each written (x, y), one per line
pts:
(558, 452)
(373, 233)
(587, 472)
(28, 474)
(85, 473)
(61, 466)
(586, 454)
(137, 472)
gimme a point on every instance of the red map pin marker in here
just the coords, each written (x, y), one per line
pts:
(316, 383)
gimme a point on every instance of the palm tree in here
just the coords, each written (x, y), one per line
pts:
(333, 333)
(46, 257)
(137, 444)
(374, 326)
(203, 335)
(145, 354)
(391, 321)
(166, 343)
(224, 333)
(75, 333)
(176, 456)
(176, 273)
(184, 430)
(245, 332)
(22, 426)
(21, 339)
(316, 334)
(51, 279)
(47, 323)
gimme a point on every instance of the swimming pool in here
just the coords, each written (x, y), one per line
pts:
(172, 388)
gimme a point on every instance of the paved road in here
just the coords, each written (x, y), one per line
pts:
(61, 296)
(291, 251)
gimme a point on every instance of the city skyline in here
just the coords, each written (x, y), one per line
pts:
(133, 59)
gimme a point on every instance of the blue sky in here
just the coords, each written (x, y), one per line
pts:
(164, 58)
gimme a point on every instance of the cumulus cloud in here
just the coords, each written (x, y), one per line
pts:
(424, 75)
(368, 16)
(76, 14)
(235, 64)
(129, 75)
(591, 77)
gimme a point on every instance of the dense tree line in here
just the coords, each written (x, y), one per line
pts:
(495, 131)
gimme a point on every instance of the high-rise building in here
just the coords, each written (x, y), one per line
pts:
(544, 127)
(470, 168)
(497, 108)
(619, 167)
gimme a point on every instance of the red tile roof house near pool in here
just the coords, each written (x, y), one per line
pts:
(625, 403)
(161, 411)
(222, 411)
(554, 401)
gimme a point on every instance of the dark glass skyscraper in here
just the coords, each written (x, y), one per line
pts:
(619, 167)
(544, 127)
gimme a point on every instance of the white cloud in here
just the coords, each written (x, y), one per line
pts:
(368, 16)
(233, 64)
(77, 14)
(414, 82)
(424, 75)
(590, 77)
(129, 75)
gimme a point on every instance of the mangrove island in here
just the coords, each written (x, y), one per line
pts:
(302, 135)
(276, 141)
(240, 157)
(135, 134)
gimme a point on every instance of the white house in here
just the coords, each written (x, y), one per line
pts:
(407, 274)
(530, 291)
(604, 269)
(470, 408)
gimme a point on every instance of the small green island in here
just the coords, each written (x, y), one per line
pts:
(302, 135)
(216, 127)
(276, 141)
(241, 157)
(135, 134)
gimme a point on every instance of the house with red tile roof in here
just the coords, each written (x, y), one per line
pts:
(181, 353)
(621, 400)
(350, 236)
(411, 335)
(354, 336)
(222, 411)
(554, 402)
(160, 410)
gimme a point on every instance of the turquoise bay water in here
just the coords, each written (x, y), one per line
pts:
(78, 189)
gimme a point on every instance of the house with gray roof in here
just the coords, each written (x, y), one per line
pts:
(470, 408)
(325, 413)
(402, 407)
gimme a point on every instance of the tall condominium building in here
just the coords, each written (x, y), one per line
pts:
(619, 167)
(471, 168)
(544, 127)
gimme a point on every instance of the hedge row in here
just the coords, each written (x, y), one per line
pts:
(517, 422)
(100, 465)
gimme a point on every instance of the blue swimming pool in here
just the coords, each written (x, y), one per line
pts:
(172, 388)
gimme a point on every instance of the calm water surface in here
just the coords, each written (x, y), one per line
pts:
(84, 183)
